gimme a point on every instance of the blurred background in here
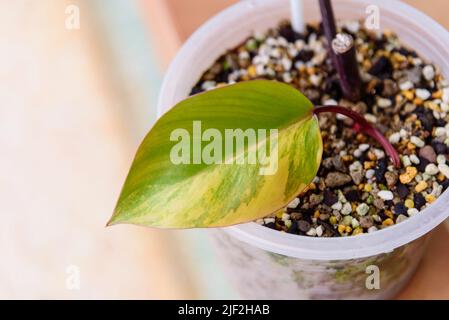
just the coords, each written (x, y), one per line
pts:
(77, 97)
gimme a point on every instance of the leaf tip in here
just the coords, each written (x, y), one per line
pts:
(113, 220)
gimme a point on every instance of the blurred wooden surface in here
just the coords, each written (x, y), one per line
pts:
(67, 140)
(182, 17)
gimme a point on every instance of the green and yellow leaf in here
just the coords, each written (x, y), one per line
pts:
(160, 193)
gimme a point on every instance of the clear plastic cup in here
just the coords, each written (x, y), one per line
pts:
(264, 263)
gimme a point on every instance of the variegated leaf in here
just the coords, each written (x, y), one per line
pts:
(160, 192)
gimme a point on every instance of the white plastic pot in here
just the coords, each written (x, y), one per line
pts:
(270, 264)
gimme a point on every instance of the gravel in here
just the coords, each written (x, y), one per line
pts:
(357, 190)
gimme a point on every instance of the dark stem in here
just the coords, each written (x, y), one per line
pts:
(342, 53)
(329, 25)
(346, 65)
(362, 125)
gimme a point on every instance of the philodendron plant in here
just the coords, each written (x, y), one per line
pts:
(227, 156)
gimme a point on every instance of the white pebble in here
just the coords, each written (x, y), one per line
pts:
(445, 95)
(407, 85)
(355, 223)
(271, 41)
(259, 221)
(403, 133)
(315, 80)
(441, 159)
(285, 217)
(440, 131)
(426, 176)
(417, 141)
(330, 102)
(363, 147)
(394, 138)
(341, 197)
(436, 114)
(370, 173)
(370, 117)
(259, 35)
(417, 61)
(282, 41)
(423, 94)
(347, 209)
(384, 103)
(276, 53)
(380, 154)
(357, 153)
(444, 107)
(444, 168)
(428, 72)
(406, 161)
(287, 77)
(362, 209)
(293, 204)
(312, 232)
(412, 211)
(286, 64)
(372, 229)
(208, 85)
(300, 44)
(319, 231)
(337, 206)
(385, 195)
(260, 69)
(401, 218)
(431, 169)
(269, 220)
(292, 51)
(353, 26)
(414, 159)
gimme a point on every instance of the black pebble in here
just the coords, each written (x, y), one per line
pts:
(223, 76)
(422, 164)
(352, 195)
(382, 68)
(271, 225)
(329, 197)
(389, 203)
(402, 190)
(196, 90)
(289, 34)
(426, 118)
(406, 52)
(419, 200)
(382, 215)
(400, 208)
(328, 227)
(380, 170)
(304, 55)
(333, 88)
(440, 122)
(439, 147)
(445, 184)
(293, 228)
(303, 225)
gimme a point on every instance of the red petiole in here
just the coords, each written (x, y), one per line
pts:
(362, 125)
